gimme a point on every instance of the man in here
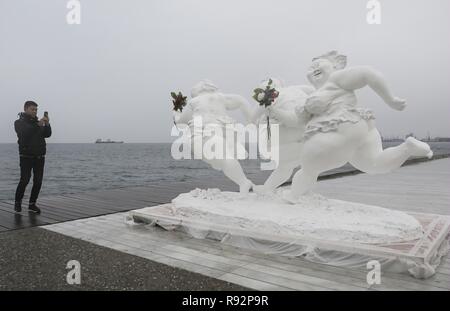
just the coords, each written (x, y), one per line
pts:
(31, 134)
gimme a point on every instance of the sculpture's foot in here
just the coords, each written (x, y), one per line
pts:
(259, 189)
(419, 148)
(262, 189)
(245, 188)
(289, 197)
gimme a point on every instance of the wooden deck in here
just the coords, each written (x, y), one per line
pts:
(419, 188)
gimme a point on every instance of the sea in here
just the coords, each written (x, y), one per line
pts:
(75, 168)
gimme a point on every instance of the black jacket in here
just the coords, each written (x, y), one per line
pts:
(31, 136)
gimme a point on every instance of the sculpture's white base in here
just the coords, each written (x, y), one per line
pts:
(314, 216)
(321, 230)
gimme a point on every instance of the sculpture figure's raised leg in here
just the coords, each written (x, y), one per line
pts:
(372, 159)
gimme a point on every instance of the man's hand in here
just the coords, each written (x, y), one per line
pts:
(43, 122)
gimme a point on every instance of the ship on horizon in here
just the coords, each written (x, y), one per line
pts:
(108, 141)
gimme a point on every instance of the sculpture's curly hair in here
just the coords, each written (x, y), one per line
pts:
(339, 61)
(204, 85)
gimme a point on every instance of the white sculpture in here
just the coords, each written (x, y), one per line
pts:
(315, 122)
(211, 107)
(339, 132)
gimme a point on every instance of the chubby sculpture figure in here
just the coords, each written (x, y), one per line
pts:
(291, 130)
(338, 132)
(211, 107)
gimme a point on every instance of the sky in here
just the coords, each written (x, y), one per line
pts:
(111, 76)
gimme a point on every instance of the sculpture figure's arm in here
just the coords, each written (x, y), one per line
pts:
(308, 89)
(358, 77)
(256, 114)
(233, 102)
(288, 118)
(184, 116)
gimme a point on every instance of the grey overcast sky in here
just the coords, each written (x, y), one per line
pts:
(111, 76)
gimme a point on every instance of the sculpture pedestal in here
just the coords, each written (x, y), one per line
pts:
(322, 230)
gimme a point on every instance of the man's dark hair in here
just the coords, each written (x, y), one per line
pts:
(29, 103)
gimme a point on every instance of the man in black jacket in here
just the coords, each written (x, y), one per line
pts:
(31, 134)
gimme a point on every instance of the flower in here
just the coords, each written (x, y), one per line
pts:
(266, 97)
(179, 101)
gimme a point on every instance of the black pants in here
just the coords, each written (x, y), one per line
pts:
(28, 164)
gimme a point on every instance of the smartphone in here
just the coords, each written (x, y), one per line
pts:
(46, 114)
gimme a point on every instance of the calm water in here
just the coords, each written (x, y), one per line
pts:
(72, 168)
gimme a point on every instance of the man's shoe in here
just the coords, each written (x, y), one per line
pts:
(18, 207)
(33, 208)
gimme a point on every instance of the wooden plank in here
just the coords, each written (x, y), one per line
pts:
(159, 247)
(252, 283)
(150, 195)
(50, 211)
(8, 210)
(107, 204)
(278, 281)
(298, 277)
(80, 207)
(117, 200)
(178, 253)
(104, 206)
(58, 213)
(64, 208)
(17, 221)
(127, 244)
(165, 260)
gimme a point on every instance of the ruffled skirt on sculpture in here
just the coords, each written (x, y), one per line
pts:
(330, 122)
